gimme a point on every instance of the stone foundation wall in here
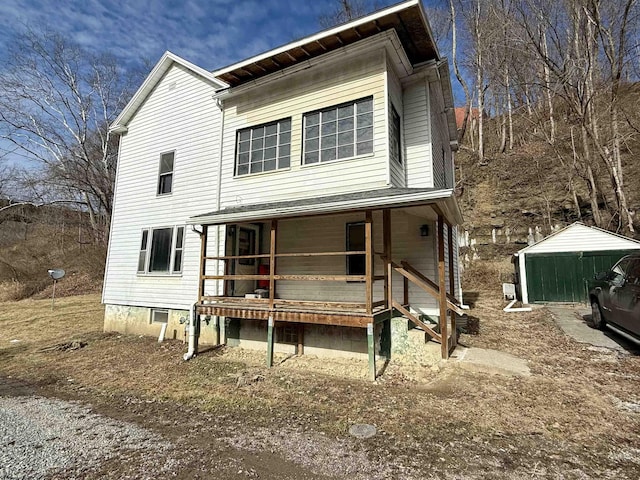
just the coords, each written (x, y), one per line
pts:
(137, 321)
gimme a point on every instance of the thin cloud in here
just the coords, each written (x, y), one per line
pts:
(210, 33)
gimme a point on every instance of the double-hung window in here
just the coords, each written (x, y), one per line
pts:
(165, 177)
(394, 135)
(161, 250)
(339, 132)
(264, 148)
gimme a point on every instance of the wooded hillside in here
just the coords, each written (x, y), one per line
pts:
(556, 82)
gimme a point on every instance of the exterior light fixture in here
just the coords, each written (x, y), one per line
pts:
(424, 230)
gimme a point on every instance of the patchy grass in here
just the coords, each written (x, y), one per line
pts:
(570, 419)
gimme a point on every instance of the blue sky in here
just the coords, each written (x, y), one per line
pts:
(209, 33)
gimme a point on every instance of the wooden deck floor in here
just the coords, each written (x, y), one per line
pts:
(321, 313)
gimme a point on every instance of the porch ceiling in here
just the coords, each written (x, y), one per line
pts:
(367, 200)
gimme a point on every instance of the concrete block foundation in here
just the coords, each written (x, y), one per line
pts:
(398, 340)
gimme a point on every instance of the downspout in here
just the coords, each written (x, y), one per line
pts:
(220, 105)
(194, 325)
(193, 334)
(510, 308)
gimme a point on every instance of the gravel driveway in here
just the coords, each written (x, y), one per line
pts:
(41, 436)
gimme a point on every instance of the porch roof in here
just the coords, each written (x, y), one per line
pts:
(366, 200)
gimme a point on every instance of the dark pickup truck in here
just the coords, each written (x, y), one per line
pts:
(615, 297)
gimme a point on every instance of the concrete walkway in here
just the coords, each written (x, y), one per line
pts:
(572, 320)
(491, 361)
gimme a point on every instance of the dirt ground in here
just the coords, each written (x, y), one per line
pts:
(227, 416)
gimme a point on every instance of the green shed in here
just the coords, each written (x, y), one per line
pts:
(558, 268)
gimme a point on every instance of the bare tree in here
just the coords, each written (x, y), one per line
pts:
(456, 68)
(56, 102)
(345, 11)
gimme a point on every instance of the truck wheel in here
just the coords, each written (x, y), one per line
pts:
(597, 320)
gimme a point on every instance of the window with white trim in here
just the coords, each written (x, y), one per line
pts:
(159, 315)
(161, 250)
(263, 148)
(165, 176)
(339, 132)
(394, 136)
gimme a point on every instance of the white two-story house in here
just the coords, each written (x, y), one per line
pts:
(300, 200)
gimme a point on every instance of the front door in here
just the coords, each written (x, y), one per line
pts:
(247, 243)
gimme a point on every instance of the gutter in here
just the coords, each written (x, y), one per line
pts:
(194, 326)
(220, 105)
(194, 333)
(395, 201)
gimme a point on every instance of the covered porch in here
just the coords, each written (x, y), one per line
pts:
(303, 280)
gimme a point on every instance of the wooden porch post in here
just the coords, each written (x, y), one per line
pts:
(203, 262)
(300, 349)
(443, 290)
(388, 269)
(452, 283)
(226, 284)
(270, 325)
(272, 263)
(272, 291)
(368, 271)
(371, 347)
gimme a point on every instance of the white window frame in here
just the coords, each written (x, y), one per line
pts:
(282, 147)
(155, 311)
(356, 130)
(162, 174)
(146, 249)
(396, 158)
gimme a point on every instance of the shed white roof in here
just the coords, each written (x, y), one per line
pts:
(581, 238)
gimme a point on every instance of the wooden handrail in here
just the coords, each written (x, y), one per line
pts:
(452, 302)
(417, 321)
(313, 278)
(413, 275)
(284, 255)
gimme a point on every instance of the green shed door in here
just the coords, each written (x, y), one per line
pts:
(563, 277)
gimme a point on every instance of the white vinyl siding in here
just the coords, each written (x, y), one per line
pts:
(440, 152)
(301, 235)
(417, 135)
(397, 169)
(193, 132)
(320, 86)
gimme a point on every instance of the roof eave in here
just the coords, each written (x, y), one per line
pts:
(325, 33)
(444, 198)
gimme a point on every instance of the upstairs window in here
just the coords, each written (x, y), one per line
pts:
(339, 132)
(161, 250)
(264, 148)
(394, 136)
(165, 177)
